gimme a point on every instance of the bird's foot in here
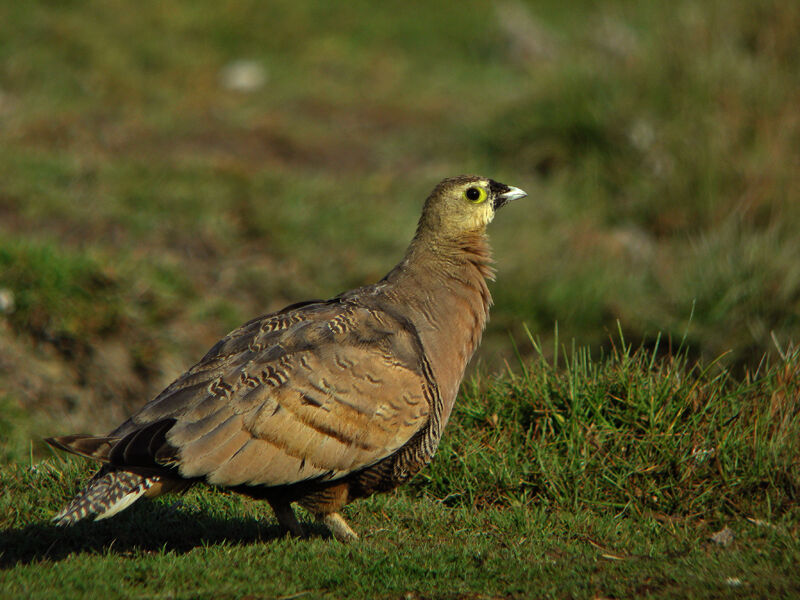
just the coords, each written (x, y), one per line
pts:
(288, 522)
(339, 527)
(295, 532)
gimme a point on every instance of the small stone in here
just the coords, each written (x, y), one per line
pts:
(7, 303)
(243, 76)
(724, 537)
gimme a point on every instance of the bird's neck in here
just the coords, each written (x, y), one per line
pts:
(440, 286)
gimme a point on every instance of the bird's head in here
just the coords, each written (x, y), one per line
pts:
(465, 204)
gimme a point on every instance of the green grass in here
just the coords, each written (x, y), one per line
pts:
(658, 144)
(146, 209)
(603, 476)
(59, 294)
(488, 554)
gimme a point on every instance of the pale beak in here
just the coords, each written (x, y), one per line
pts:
(511, 193)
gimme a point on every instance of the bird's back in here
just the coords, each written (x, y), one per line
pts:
(311, 394)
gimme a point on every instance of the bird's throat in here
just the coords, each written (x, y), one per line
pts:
(441, 287)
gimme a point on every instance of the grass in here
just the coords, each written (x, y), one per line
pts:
(628, 433)
(147, 208)
(601, 477)
(658, 144)
(553, 555)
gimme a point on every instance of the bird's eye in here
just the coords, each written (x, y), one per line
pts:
(475, 195)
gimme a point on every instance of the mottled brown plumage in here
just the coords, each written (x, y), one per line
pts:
(323, 402)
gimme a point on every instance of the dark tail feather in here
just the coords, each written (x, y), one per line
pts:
(91, 446)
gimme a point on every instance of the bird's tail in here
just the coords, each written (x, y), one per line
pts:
(95, 447)
(107, 493)
(113, 488)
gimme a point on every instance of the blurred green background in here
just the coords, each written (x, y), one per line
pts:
(168, 170)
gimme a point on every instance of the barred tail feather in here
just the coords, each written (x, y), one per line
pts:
(106, 494)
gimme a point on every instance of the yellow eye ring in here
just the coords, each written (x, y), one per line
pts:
(475, 194)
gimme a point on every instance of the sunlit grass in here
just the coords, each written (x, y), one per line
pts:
(146, 209)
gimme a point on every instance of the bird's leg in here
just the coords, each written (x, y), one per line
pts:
(339, 527)
(286, 519)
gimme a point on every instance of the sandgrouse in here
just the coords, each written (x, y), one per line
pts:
(322, 402)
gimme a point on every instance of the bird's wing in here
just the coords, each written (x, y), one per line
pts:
(319, 391)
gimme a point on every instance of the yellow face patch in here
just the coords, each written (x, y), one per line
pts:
(475, 194)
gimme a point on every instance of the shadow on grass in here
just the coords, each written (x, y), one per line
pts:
(141, 529)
